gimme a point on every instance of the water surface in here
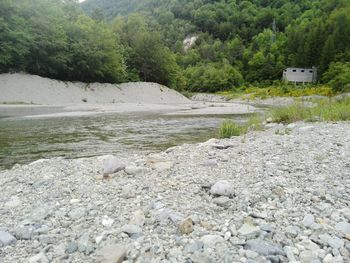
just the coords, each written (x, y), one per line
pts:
(23, 140)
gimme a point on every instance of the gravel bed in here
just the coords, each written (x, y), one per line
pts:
(281, 195)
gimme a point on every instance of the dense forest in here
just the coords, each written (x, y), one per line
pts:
(236, 42)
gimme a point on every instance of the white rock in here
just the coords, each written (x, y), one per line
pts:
(328, 259)
(138, 218)
(248, 229)
(39, 258)
(112, 254)
(343, 227)
(111, 164)
(107, 221)
(6, 239)
(211, 240)
(98, 239)
(308, 220)
(222, 187)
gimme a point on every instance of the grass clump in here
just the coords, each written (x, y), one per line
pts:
(281, 90)
(228, 129)
(325, 110)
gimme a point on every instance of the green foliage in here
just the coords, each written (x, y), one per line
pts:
(212, 77)
(325, 110)
(292, 113)
(131, 40)
(228, 129)
(338, 76)
(55, 39)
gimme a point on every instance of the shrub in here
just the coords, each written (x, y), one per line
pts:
(325, 110)
(228, 129)
(338, 75)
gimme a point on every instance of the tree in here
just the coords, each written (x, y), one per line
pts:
(338, 75)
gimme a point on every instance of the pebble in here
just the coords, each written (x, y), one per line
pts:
(343, 227)
(111, 164)
(114, 253)
(222, 187)
(308, 220)
(6, 239)
(248, 229)
(131, 229)
(71, 247)
(277, 207)
(186, 226)
(263, 247)
(211, 240)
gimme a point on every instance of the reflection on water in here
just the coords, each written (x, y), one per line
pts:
(26, 140)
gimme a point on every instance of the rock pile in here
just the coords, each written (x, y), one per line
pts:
(270, 197)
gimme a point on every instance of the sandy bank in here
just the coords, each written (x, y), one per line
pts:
(34, 96)
(34, 89)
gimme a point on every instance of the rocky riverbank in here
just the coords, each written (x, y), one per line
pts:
(281, 195)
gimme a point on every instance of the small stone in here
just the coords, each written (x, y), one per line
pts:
(343, 227)
(292, 231)
(135, 170)
(107, 221)
(186, 226)
(211, 240)
(138, 218)
(206, 225)
(24, 232)
(84, 245)
(131, 229)
(307, 256)
(112, 254)
(227, 235)
(71, 247)
(74, 201)
(308, 220)
(210, 163)
(77, 213)
(267, 228)
(251, 254)
(6, 239)
(335, 242)
(98, 239)
(248, 229)
(193, 247)
(273, 259)
(111, 164)
(289, 253)
(38, 258)
(328, 259)
(161, 166)
(263, 247)
(222, 201)
(222, 187)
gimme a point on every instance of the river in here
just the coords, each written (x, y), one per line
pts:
(23, 140)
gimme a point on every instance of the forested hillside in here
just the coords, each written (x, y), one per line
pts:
(238, 42)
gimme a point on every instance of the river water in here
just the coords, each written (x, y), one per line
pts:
(23, 140)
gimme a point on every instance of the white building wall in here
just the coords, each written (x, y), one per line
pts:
(299, 74)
